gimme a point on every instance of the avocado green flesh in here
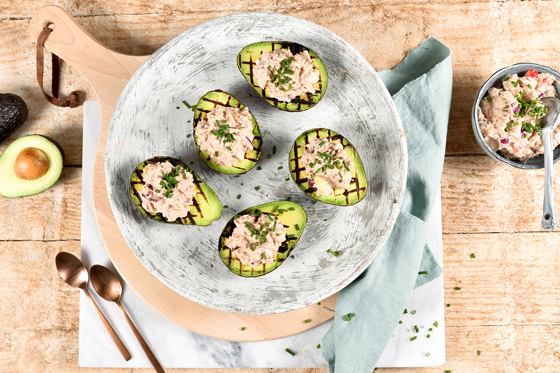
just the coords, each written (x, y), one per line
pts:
(205, 105)
(342, 197)
(294, 221)
(206, 206)
(12, 186)
(246, 61)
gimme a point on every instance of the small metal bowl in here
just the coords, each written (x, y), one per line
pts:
(495, 81)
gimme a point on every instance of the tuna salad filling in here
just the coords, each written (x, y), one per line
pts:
(167, 190)
(327, 165)
(227, 135)
(257, 238)
(510, 116)
(284, 75)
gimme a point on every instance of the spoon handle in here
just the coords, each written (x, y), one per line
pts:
(112, 333)
(549, 219)
(147, 351)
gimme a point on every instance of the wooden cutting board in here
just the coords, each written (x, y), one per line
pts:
(108, 72)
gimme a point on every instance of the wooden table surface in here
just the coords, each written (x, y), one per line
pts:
(509, 303)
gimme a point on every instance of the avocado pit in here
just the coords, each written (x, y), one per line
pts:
(31, 164)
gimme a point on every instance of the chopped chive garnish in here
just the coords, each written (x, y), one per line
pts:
(346, 318)
(400, 321)
(457, 288)
(274, 149)
(427, 354)
(413, 338)
(506, 78)
(478, 352)
(286, 179)
(216, 153)
(291, 256)
(270, 218)
(292, 208)
(228, 148)
(307, 321)
(435, 324)
(405, 311)
(259, 168)
(188, 136)
(334, 253)
(268, 156)
(288, 199)
(280, 167)
(473, 256)
(226, 206)
(416, 328)
(447, 371)
(413, 312)
(239, 196)
(318, 346)
(257, 188)
(178, 107)
(346, 166)
(430, 329)
(243, 328)
(428, 336)
(264, 256)
(290, 352)
(489, 99)
(351, 315)
(251, 246)
(322, 143)
(448, 305)
(189, 106)
(423, 272)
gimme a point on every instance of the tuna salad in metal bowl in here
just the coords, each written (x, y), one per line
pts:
(327, 165)
(167, 190)
(285, 75)
(227, 135)
(510, 115)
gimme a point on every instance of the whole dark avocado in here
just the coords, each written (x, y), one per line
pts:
(13, 113)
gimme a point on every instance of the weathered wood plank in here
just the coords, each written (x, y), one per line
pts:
(52, 215)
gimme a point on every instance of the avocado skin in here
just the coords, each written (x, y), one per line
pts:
(206, 104)
(246, 60)
(13, 113)
(206, 206)
(292, 219)
(13, 187)
(344, 197)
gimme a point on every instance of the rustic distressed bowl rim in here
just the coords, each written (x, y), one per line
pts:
(498, 76)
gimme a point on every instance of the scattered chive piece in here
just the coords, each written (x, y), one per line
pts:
(435, 324)
(428, 336)
(457, 288)
(280, 167)
(318, 346)
(297, 227)
(447, 371)
(307, 321)
(413, 312)
(251, 246)
(319, 303)
(448, 305)
(228, 148)
(413, 338)
(423, 272)
(188, 136)
(257, 188)
(239, 196)
(274, 149)
(286, 179)
(226, 206)
(351, 315)
(288, 199)
(292, 208)
(268, 156)
(400, 321)
(416, 328)
(178, 107)
(293, 257)
(290, 352)
(427, 354)
(346, 318)
(236, 176)
(192, 162)
(243, 328)
(259, 168)
(241, 183)
(478, 352)
(216, 153)
(473, 256)
(264, 256)
(322, 143)
(489, 99)
(430, 329)
(405, 311)
(334, 253)
(189, 106)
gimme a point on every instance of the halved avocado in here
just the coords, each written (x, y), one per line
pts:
(342, 197)
(206, 206)
(246, 60)
(205, 105)
(294, 218)
(28, 166)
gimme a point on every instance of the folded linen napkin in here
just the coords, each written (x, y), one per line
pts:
(421, 88)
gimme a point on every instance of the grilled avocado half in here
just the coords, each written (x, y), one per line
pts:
(342, 197)
(246, 60)
(293, 217)
(206, 206)
(205, 105)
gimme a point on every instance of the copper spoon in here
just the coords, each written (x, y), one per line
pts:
(108, 286)
(75, 274)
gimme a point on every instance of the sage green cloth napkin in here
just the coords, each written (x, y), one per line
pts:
(421, 88)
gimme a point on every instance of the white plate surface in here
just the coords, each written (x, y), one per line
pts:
(147, 123)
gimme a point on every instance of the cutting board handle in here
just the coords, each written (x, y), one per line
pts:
(106, 70)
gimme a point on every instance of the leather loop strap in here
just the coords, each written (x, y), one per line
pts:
(72, 99)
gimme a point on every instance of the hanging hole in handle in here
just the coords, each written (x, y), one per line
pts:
(547, 217)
